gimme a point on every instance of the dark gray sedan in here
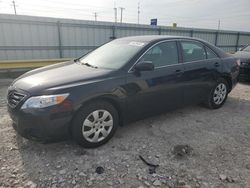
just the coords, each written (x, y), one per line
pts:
(123, 80)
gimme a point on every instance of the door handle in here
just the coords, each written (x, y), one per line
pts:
(178, 72)
(216, 64)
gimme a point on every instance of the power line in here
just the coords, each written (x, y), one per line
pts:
(63, 7)
(121, 8)
(55, 10)
(51, 11)
(78, 12)
(132, 15)
(70, 3)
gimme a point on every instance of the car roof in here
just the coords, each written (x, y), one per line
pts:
(151, 38)
(156, 38)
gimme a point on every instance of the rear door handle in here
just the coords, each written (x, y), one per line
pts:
(178, 72)
(216, 64)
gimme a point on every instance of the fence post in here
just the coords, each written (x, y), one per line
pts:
(159, 31)
(237, 41)
(216, 38)
(191, 33)
(59, 38)
(113, 33)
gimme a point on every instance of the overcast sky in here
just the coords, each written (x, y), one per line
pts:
(233, 14)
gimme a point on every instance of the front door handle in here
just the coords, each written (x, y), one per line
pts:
(216, 64)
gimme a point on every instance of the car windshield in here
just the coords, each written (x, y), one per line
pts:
(112, 55)
(247, 48)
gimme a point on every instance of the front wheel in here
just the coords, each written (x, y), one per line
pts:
(95, 124)
(218, 94)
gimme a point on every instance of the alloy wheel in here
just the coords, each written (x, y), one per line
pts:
(220, 93)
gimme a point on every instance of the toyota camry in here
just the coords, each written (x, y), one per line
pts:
(123, 80)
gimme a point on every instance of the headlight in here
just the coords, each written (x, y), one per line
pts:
(44, 101)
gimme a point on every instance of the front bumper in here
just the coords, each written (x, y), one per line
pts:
(40, 124)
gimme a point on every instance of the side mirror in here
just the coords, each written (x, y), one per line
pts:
(144, 66)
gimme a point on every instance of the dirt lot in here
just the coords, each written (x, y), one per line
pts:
(215, 151)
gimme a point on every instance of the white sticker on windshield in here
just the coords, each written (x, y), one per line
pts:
(136, 43)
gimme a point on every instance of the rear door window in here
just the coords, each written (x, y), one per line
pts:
(192, 51)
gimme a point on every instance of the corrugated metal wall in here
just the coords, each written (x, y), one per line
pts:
(27, 37)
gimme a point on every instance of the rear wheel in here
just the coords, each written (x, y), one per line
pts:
(95, 124)
(218, 94)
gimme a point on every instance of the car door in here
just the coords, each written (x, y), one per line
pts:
(198, 73)
(151, 92)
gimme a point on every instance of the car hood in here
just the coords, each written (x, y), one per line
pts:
(242, 55)
(58, 75)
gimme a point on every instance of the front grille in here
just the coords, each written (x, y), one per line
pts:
(14, 98)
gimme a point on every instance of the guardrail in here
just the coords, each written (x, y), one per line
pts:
(14, 68)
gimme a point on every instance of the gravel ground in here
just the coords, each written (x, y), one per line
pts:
(193, 146)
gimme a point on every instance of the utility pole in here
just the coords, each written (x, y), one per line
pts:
(14, 5)
(95, 14)
(218, 25)
(115, 9)
(121, 12)
(138, 11)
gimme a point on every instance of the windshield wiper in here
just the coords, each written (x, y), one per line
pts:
(89, 65)
(76, 60)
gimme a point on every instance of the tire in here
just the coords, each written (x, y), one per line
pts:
(95, 124)
(220, 90)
